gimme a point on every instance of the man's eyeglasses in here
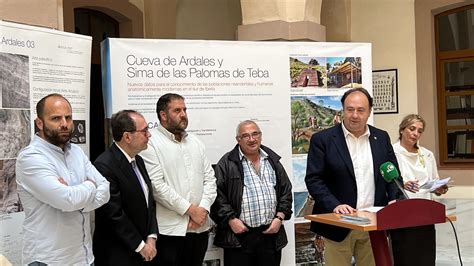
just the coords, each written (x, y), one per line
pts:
(254, 135)
(144, 131)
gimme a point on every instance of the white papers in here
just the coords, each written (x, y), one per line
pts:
(373, 209)
(435, 184)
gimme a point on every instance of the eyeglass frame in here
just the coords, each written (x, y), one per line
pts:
(254, 135)
(145, 131)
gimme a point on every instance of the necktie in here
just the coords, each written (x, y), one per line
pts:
(140, 179)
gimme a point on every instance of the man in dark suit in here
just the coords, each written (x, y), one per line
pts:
(126, 227)
(342, 176)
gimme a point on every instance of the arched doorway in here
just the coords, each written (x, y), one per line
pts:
(100, 26)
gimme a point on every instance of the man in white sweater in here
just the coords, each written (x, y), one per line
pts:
(184, 185)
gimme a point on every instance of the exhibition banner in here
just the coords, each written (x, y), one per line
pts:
(291, 89)
(34, 62)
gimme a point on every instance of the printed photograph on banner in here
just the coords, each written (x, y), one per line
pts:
(311, 114)
(309, 247)
(15, 84)
(308, 71)
(344, 72)
(14, 132)
(214, 255)
(79, 133)
(9, 199)
(212, 262)
(303, 203)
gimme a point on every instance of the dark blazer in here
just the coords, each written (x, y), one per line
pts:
(228, 203)
(126, 220)
(330, 175)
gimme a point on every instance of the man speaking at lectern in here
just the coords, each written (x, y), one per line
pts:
(342, 175)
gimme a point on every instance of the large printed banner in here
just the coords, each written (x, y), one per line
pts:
(292, 90)
(35, 62)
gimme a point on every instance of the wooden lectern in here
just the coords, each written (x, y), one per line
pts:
(401, 214)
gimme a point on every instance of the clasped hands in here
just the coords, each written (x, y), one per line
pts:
(197, 215)
(148, 251)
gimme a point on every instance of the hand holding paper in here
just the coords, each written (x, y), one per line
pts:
(435, 184)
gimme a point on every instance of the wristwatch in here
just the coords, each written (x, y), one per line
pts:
(279, 218)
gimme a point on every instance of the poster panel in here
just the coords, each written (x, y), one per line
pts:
(223, 83)
(320, 74)
(292, 90)
(34, 62)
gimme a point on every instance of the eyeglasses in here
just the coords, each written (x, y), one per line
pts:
(254, 135)
(144, 131)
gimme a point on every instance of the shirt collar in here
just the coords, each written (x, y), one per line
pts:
(169, 134)
(263, 154)
(45, 143)
(130, 159)
(347, 133)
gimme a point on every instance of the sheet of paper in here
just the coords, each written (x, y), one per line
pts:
(371, 209)
(435, 184)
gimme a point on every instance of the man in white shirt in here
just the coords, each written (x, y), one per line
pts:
(59, 188)
(342, 176)
(184, 185)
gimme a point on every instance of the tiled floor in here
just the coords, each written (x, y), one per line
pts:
(446, 251)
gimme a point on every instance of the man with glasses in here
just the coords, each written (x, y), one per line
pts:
(253, 198)
(59, 188)
(184, 185)
(126, 227)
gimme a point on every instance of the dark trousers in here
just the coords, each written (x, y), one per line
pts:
(256, 249)
(186, 250)
(414, 246)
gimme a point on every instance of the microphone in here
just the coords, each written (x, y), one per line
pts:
(390, 173)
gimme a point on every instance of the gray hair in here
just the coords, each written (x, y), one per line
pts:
(243, 123)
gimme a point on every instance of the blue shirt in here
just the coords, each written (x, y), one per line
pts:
(259, 196)
(56, 230)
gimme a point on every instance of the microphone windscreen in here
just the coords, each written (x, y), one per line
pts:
(389, 171)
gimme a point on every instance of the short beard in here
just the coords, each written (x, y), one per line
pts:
(175, 128)
(53, 137)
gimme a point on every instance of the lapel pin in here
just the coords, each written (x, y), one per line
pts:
(375, 138)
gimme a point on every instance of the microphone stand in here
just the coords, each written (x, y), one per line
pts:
(400, 187)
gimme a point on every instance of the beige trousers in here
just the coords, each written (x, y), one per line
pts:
(356, 243)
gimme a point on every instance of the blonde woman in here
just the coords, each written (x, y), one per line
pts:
(417, 164)
(417, 245)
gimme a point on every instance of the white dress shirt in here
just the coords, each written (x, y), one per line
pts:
(57, 217)
(181, 175)
(362, 161)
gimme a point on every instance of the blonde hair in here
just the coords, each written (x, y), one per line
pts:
(408, 121)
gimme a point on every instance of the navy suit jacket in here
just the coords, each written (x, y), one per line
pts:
(330, 175)
(126, 220)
